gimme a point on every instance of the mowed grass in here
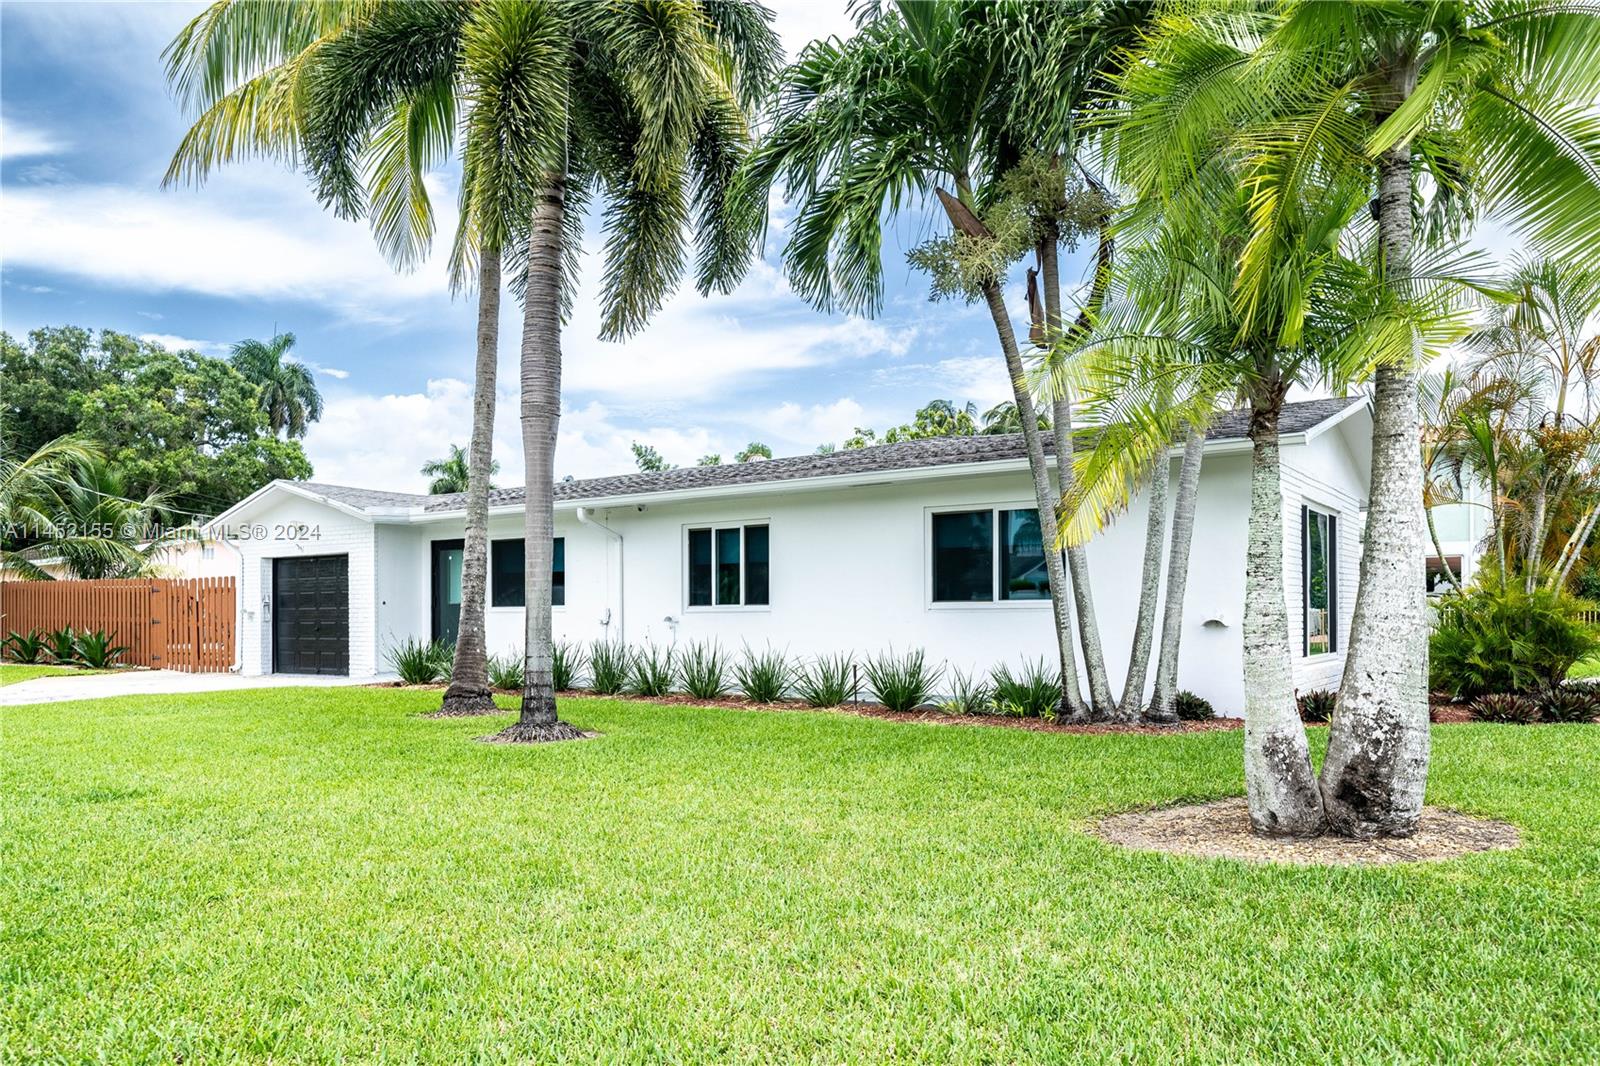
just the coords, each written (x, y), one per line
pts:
(12, 673)
(321, 875)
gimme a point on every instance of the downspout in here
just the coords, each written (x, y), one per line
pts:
(585, 519)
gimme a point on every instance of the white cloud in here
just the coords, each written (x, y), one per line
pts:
(18, 140)
(807, 427)
(243, 238)
(173, 343)
(979, 378)
(154, 316)
(330, 371)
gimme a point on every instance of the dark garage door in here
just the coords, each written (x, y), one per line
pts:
(311, 615)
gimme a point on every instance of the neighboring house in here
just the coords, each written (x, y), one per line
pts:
(929, 543)
(1463, 529)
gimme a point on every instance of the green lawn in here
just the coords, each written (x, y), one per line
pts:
(320, 875)
(11, 673)
(1589, 667)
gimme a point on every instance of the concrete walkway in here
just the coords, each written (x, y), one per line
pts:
(63, 687)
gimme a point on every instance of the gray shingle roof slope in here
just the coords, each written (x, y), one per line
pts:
(906, 455)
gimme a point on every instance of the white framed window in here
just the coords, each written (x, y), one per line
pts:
(992, 555)
(727, 566)
(1319, 581)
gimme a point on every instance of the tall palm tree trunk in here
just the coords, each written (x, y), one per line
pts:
(541, 420)
(1377, 763)
(469, 675)
(1044, 496)
(1183, 511)
(1101, 703)
(1131, 706)
(1438, 549)
(1281, 786)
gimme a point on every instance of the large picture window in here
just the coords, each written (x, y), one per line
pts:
(988, 555)
(1319, 538)
(507, 569)
(729, 566)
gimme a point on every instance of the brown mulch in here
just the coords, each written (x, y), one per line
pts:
(1221, 829)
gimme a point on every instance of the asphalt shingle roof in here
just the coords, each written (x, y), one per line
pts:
(906, 455)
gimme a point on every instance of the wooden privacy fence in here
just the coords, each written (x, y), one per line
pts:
(171, 625)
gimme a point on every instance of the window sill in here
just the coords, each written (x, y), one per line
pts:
(730, 609)
(1322, 657)
(988, 605)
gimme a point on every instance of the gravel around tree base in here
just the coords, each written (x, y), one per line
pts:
(1221, 830)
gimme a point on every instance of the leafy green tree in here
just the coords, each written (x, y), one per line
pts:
(1003, 418)
(289, 395)
(37, 520)
(648, 459)
(939, 418)
(754, 450)
(109, 531)
(713, 459)
(450, 474)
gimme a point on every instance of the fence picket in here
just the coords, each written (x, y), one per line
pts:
(170, 624)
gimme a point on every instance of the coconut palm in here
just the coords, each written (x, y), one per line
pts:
(288, 391)
(51, 509)
(923, 108)
(1459, 107)
(1003, 418)
(452, 473)
(118, 535)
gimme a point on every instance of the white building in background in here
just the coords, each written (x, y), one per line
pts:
(929, 543)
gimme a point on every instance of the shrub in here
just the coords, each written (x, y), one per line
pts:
(1318, 705)
(608, 666)
(566, 662)
(26, 647)
(416, 661)
(1570, 703)
(1506, 640)
(444, 659)
(506, 672)
(96, 650)
(901, 683)
(62, 646)
(827, 681)
(969, 694)
(1034, 691)
(653, 671)
(1510, 707)
(703, 669)
(764, 677)
(1191, 707)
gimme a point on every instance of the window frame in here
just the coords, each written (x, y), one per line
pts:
(741, 524)
(995, 532)
(488, 592)
(1307, 509)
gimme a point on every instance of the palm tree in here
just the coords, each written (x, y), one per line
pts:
(452, 473)
(1003, 418)
(50, 508)
(1489, 104)
(127, 538)
(288, 396)
(643, 105)
(918, 107)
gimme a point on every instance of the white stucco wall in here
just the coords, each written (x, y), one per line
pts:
(850, 570)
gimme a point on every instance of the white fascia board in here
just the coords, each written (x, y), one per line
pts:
(1334, 421)
(250, 502)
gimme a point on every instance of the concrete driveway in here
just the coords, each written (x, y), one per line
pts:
(63, 687)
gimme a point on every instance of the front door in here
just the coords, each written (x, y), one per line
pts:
(447, 589)
(311, 615)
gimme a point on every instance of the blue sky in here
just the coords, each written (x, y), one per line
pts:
(91, 239)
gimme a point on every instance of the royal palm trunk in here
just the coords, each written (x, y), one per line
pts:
(469, 674)
(1131, 706)
(1378, 745)
(1183, 510)
(1279, 782)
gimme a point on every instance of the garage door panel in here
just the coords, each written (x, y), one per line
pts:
(311, 605)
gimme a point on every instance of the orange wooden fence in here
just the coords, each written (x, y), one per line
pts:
(172, 625)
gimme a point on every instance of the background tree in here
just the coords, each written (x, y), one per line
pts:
(40, 494)
(712, 459)
(649, 460)
(451, 474)
(289, 397)
(754, 450)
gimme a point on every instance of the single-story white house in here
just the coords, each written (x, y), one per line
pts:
(927, 543)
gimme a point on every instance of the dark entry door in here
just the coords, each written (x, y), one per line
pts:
(447, 589)
(311, 615)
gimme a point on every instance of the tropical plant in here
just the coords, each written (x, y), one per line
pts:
(826, 681)
(29, 647)
(901, 682)
(417, 662)
(764, 676)
(288, 392)
(1003, 418)
(1191, 707)
(1569, 703)
(654, 671)
(610, 663)
(969, 693)
(648, 460)
(1030, 692)
(505, 672)
(97, 650)
(1510, 708)
(566, 663)
(1496, 639)
(1318, 705)
(452, 473)
(49, 509)
(703, 670)
(754, 450)
(61, 645)
(113, 534)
